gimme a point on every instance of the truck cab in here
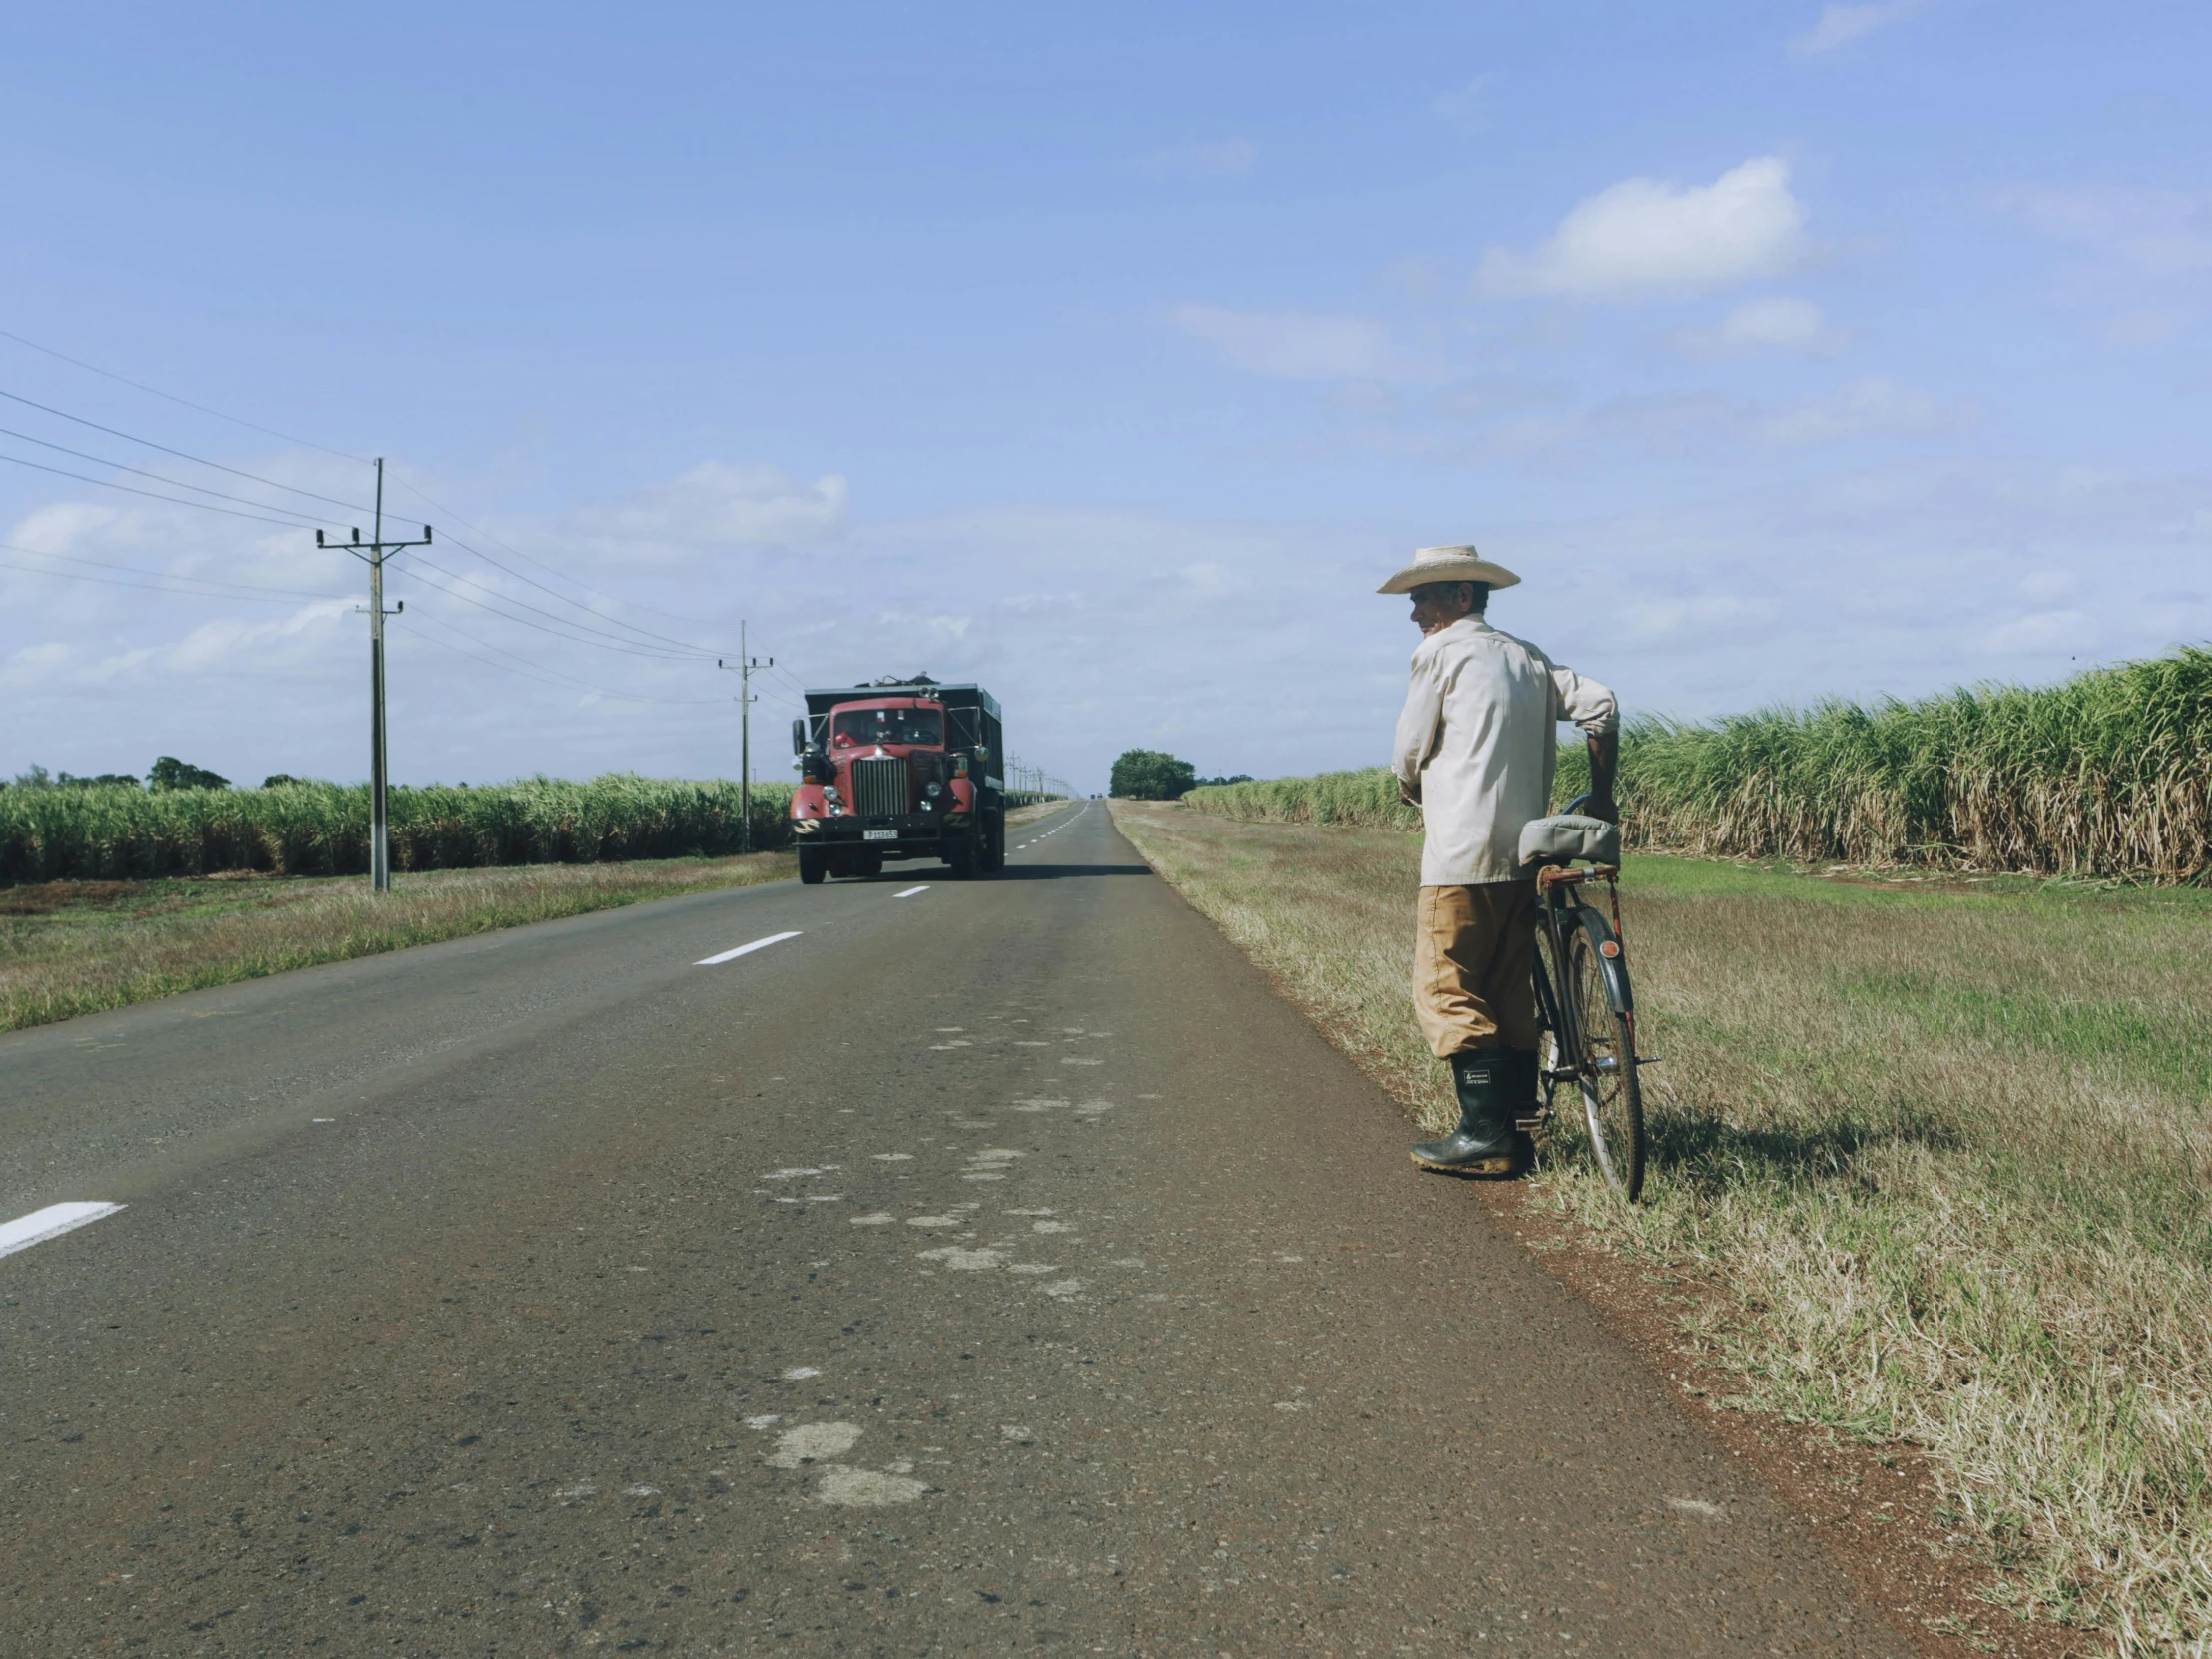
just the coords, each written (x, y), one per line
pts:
(898, 770)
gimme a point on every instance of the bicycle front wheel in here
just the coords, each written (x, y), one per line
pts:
(1612, 1101)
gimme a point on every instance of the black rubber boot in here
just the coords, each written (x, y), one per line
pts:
(1483, 1144)
(1525, 1087)
(1524, 1099)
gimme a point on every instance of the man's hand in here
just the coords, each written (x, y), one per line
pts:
(1605, 758)
(1408, 793)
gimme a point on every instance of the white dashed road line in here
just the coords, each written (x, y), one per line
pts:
(49, 1223)
(909, 893)
(746, 950)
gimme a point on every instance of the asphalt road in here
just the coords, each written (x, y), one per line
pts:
(999, 1267)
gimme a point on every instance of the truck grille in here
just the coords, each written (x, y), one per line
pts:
(880, 786)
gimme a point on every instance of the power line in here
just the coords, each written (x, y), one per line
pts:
(701, 650)
(683, 649)
(686, 645)
(538, 671)
(607, 642)
(173, 483)
(157, 574)
(181, 402)
(196, 460)
(541, 564)
(145, 587)
(698, 650)
(797, 687)
(128, 489)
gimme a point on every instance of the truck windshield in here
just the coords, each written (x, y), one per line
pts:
(866, 726)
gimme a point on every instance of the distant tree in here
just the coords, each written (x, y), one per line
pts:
(1240, 777)
(276, 779)
(98, 781)
(1149, 775)
(37, 778)
(169, 773)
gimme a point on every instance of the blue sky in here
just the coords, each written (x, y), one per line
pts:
(1786, 349)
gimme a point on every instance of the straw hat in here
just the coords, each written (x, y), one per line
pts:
(1448, 564)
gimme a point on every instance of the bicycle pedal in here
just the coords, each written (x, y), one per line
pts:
(1647, 1059)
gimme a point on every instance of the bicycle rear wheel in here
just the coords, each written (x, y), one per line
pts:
(1605, 1064)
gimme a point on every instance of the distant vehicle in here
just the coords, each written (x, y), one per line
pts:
(903, 769)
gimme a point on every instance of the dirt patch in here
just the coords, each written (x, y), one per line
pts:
(1878, 1510)
(45, 898)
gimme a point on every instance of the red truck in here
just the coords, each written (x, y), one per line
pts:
(902, 769)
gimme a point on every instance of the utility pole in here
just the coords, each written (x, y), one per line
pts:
(745, 666)
(375, 551)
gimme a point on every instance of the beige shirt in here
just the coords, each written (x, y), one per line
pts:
(1478, 742)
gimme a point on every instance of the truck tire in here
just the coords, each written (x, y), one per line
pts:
(813, 865)
(870, 866)
(960, 858)
(994, 843)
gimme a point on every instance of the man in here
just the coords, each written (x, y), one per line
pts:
(1475, 749)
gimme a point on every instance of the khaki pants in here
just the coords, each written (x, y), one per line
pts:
(1474, 962)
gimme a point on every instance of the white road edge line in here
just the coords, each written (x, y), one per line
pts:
(746, 950)
(909, 893)
(49, 1223)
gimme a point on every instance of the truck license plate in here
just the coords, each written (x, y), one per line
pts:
(879, 835)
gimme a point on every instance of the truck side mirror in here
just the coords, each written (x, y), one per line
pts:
(798, 736)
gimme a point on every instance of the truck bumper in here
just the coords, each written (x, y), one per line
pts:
(896, 835)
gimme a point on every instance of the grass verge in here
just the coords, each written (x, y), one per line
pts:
(75, 948)
(1945, 1148)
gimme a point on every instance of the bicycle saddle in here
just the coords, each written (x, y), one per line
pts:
(1566, 838)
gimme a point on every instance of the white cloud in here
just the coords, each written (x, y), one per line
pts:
(1889, 580)
(716, 504)
(1649, 235)
(1245, 646)
(296, 641)
(1871, 405)
(1297, 345)
(1706, 615)
(1841, 24)
(2158, 233)
(1209, 579)
(1466, 104)
(2039, 631)
(1774, 323)
(1221, 159)
(1704, 426)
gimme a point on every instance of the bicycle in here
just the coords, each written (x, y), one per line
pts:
(1586, 1014)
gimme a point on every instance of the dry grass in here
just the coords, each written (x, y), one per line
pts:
(1946, 1147)
(71, 947)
